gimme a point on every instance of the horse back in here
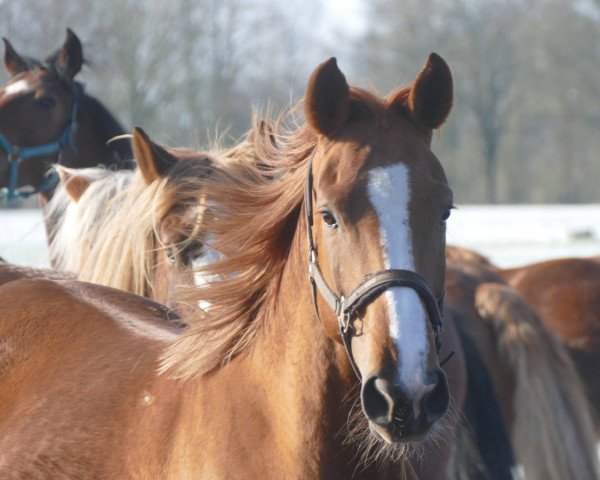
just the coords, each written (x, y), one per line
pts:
(77, 374)
(10, 272)
(566, 292)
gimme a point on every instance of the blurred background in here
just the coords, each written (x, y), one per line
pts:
(525, 127)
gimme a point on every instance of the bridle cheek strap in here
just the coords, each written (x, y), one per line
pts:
(371, 287)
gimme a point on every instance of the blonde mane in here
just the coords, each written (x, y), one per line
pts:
(76, 225)
(252, 221)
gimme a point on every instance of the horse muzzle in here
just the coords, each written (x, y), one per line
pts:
(397, 414)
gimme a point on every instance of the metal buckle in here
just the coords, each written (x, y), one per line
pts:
(14, 155)
(344, 320)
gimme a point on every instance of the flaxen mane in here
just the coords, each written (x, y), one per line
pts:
(76, 225)
(253, 219)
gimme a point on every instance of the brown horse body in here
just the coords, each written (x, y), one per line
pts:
(256, 385)
(239, 423)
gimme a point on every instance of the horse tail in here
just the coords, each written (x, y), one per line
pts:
(552, 429)
(482, 450)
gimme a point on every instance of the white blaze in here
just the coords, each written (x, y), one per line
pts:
(202, 278)
(389, 193)
(18, 86)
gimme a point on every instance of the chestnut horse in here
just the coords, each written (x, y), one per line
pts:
(543, 400)
(46, 118)
(258, 385)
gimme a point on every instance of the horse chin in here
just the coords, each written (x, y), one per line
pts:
(394, 435)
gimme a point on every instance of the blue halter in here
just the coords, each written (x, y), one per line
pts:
(17, 154)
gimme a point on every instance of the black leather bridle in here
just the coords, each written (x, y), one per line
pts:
(371, 287)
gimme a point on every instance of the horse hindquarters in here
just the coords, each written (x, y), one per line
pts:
(551, 430)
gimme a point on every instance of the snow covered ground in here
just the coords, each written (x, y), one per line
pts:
(23, 237)
(509, 234)
(518, 234)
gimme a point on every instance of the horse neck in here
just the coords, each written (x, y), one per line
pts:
(310, 373)
(95, 127)
(286, 399)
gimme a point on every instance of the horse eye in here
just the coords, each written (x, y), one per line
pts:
(329, 219)
(46, 102)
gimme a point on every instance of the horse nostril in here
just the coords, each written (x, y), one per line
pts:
(435, 402)
(377, 401)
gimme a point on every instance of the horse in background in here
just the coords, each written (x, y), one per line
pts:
(138, 231)
(46, 118)
(543, 399)
(257, 384)
(566, 293)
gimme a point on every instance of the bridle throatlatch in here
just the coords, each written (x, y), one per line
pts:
(371, 287)
(17, 154)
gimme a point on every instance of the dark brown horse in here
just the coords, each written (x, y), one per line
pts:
(258, 385)
(47, 118)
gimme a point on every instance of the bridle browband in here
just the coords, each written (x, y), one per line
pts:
(17, 154)
(371, 287)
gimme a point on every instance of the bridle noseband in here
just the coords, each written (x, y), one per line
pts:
(371, 287)
(17, 154)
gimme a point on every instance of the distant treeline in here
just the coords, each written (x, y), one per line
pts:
(526, 125)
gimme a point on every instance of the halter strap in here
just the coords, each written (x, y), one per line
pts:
(371, 287)
(17, 154)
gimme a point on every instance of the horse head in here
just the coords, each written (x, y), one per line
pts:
(379, 200)
(37, 114)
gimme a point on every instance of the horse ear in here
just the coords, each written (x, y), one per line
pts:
(430, 98)
(327, 102)
(12, 60)
(70, 57)
(74, 185)
(153, 160)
